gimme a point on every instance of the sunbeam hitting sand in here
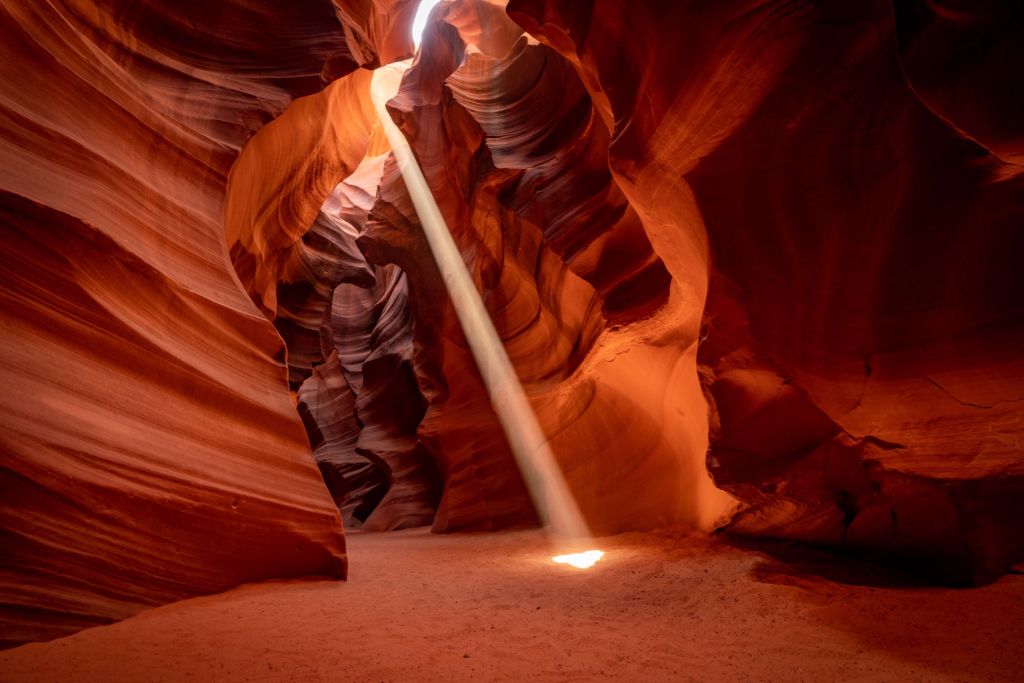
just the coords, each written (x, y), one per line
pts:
(375, 340)
(492, 607)
(551, 496)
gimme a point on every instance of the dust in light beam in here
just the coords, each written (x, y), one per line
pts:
(551, 496)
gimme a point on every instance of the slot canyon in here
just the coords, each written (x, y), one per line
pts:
(721, 376)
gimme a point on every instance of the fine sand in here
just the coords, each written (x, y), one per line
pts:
(658, 607)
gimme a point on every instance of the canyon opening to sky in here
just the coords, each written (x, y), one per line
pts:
(512, 339)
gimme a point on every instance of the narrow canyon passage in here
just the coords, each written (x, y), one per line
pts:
(492, 607)
(303, 379)
(552, 500)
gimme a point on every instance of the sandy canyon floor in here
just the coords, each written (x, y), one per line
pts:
(658, 607)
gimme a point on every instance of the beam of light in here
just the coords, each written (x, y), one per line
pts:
(555, 504)
(584, 560)
(420, 21)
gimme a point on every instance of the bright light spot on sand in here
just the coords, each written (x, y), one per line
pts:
(584, 560)
(420, 21)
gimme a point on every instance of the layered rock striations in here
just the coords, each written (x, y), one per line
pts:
(604, 341)
(598, 187)
(514, 153)
(150, 450)
(773, 244)
(376, 31)
(382, 473)
(863, 326)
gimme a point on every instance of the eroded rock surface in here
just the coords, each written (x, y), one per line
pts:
(150, 450)
(864, 323)
(583, 305)
(769, 246)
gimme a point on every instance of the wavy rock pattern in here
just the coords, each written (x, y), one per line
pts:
(864, 306)
(368, 344)
(496, 155)
(319, 164)
(377, 31)
(825, 196)
(150, 449)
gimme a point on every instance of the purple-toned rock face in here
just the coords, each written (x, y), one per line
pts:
(755, 263)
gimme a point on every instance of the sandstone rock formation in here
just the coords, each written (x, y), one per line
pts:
(864, 325)
(150, 449)
(768, 246)
(376, 31)
(564, 267)
(357, 295)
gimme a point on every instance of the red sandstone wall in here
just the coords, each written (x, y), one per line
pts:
(150, 449)
(865, 315)
(776, 242)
